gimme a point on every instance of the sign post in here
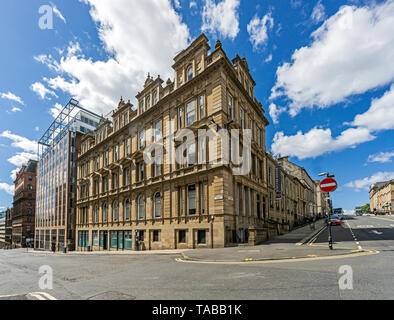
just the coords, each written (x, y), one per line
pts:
(328, 185)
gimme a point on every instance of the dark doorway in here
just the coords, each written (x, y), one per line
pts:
(105, 240)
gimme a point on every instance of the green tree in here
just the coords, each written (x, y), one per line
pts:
(365, 208)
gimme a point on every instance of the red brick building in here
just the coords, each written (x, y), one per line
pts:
(24, 205)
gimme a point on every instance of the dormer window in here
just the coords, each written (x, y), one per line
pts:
(189, 73)
(155, 98)
(142, 106)
(148, 102)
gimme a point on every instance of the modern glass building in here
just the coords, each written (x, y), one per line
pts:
(56, 177)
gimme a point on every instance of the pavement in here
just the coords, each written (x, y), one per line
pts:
(295, 245)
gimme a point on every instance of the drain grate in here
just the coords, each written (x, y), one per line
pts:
(112, 295)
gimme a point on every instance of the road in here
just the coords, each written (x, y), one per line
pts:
(162, 277)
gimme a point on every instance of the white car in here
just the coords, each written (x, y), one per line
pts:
(366, 214)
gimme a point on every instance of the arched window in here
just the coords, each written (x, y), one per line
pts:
(155, 98)
(157, 205)
(115, 211)
(126, 210)
(189, 73)
(96, 214)
(141, 207)
(105, 213)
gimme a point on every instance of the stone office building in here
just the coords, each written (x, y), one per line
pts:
(24, 205)
(124, 202)
(381, 197)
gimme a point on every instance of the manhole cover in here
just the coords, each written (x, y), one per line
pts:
(112, 295)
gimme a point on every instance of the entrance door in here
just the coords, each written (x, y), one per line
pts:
(105, 240)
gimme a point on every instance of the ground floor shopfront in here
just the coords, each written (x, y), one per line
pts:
(50, 239)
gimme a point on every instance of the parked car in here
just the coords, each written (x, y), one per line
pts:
(335, 220)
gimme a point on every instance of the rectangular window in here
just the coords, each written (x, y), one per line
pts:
(157, 132)
(141, 237)
(180, 117)
(127, 146)
(95, 237)
(239, 200)
(242, 118)
(140, 171)
(116, 153)
(126, 176)
(180, 204)
(201, 237)
(105, 158)
(200, 107)
(190, 113)
(114, 239)
(191, 199)
(141, 139)
(231, 107)
(182, 236)
(191, 155)
(101, 238)
(202, 198)
(155, 235)
(259, 137)
(120, 240)
(128, 240)
(97, 163)
(157, 167)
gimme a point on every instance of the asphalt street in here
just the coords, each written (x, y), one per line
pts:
(118, 277)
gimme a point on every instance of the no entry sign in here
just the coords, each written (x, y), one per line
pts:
(328, 185)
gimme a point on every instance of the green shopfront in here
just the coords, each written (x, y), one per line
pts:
(100, 240)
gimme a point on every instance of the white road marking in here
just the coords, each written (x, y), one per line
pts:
(377, 232)
(37, 296)
(42, 296)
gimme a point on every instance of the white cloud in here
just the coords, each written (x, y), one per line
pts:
(318, 141)
(275, 111)
(13, 173)
(41, 90)
(380, 115)
(268, 59)
(20, 142)
(177, 4)
(364, 184)
(134, 46)
(57, 108)
(351, 53)
(7, 188)
(57, 12)
(22, 158)
(383, 157)
(37, 128)
(318, 13)
(258, 28)
(15, 109)
(221, 17)
(13, 97)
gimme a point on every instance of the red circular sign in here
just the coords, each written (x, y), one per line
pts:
(328, 185)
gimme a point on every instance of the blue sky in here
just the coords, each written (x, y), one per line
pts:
(324, 72)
